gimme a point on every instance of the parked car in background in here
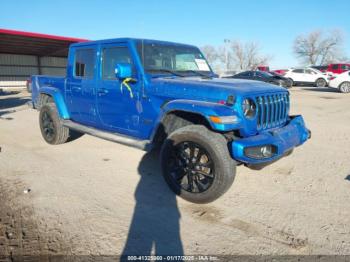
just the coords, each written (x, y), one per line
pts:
(228, 74)
(267, 77)
(338, 68)
(322, 68)
(307, 76)
(341, 82)
(29, 85)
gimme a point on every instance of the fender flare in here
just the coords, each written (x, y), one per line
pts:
(205, 109)
(58, 98)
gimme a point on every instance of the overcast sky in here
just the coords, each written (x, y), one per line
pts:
(273, 24)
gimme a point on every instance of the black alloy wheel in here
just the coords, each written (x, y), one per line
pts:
(191, 167)
(197, 164)
(48, 127)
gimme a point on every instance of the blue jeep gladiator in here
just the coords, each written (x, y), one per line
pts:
(148, 94)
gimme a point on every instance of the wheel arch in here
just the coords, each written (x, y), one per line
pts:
(48, 94)
(175, 119)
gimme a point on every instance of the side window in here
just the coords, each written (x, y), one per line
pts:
(345, 67)
(84, 63)
(310, 72)
(258, 74)
(335, 67)
(299, 71)
(111, 57)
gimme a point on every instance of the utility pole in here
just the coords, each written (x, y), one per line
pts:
(226, 41)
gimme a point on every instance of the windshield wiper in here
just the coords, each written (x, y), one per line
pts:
(166, 71)
(198, 73)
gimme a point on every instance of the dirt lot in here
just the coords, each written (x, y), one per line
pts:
(94, 197)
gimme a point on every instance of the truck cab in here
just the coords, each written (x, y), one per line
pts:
(150, 94)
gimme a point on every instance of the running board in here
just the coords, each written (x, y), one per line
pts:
(113, 137)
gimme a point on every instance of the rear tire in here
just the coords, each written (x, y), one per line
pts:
(51, 128)
(321, 82)
(344, 87)
(29, 88)
(196, 164)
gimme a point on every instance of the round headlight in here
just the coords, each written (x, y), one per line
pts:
(249, 108)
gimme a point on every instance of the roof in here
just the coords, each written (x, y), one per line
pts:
(128, 39)
(27, 43)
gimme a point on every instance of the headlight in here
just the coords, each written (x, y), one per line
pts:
(249, 108)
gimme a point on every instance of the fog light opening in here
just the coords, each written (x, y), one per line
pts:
(260, 152)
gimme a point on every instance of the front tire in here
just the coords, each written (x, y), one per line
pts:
(291, 82)
(196, 164)
(321, 82)
(51, 128)
(344, 87)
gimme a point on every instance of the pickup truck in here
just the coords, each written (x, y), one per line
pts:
(155, 94)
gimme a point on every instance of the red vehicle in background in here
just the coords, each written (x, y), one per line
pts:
(338, 68)
(264, 68)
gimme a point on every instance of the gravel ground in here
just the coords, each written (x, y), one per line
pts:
(91, 197)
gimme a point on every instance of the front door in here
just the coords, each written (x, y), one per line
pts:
(310, 76)
(116, 100)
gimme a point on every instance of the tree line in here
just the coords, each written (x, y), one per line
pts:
(315, 48)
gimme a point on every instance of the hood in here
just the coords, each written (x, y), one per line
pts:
(211, 89)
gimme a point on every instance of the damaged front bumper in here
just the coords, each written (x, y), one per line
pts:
(271, 144)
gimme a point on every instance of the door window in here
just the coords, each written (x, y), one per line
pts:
(84, 63)
(310, 72)
(298, 71)
(111, 57)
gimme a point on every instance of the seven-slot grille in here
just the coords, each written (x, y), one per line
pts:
(272, 110)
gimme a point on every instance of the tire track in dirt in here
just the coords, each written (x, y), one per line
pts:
(211, 214)
(20, 237)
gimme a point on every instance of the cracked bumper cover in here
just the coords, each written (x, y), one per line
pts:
(283, 139)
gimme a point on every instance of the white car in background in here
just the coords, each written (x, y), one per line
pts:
(341, 82)
(307, 76)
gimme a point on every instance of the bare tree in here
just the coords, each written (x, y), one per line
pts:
(210, 53)
(235, 55)
(246, 56)
(318, 48)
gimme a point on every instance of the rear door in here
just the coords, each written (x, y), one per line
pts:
(81, 86)
(310, 76)
(116, 102)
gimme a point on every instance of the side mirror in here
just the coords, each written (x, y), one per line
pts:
(123, 70)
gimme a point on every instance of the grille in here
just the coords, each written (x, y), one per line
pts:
(272, 110)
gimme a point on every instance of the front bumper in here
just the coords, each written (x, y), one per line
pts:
(283, 140)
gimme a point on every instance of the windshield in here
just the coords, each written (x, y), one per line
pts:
(178, 60)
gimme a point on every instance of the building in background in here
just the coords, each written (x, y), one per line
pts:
(23, 54)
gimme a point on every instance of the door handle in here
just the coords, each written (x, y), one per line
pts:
(102, 91)
(78, 88)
